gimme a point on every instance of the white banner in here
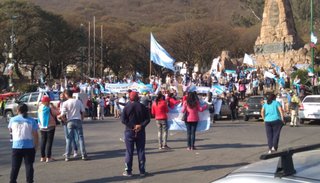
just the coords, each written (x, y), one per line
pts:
(176, 124)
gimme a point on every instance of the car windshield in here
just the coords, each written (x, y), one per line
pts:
(255, 100)
(312, 100)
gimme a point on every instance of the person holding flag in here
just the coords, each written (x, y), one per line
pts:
(47, 123)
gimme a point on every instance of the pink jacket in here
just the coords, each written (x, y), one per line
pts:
(193, 115)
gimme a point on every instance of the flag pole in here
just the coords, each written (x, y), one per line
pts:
(311, 29)
(150, 69)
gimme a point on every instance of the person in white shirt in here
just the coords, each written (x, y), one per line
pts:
(73, 112)
(100, 107)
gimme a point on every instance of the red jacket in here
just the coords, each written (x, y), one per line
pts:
(193, 113)
(172, 102)
(160, 111)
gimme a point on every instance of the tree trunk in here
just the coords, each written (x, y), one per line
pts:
(18, 72)
(32, 72)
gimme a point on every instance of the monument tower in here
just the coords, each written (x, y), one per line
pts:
(278, 41)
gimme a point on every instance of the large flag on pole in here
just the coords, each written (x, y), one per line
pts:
(159, 55)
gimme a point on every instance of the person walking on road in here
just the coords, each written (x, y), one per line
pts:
(272, 115)
(159, 110)
(24, 143)
(135, 117)
(47, 123)
(294, 108)
(192, 108)
(73, 112)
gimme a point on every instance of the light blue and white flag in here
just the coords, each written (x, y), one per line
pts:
(43, 116)
(218, 89)
(159, 55)
(176, 124)
(314, 38)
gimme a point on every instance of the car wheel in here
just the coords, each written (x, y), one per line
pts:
(8, 116)
(246, 118)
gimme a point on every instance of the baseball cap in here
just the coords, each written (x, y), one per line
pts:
(45, 99)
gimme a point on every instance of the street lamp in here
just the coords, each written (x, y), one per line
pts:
(13, 42)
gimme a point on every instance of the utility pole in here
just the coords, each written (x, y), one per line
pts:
(101, 61)
(82, 49)
(89, 50)
(94, 46)
(12, 42)
(311, 29)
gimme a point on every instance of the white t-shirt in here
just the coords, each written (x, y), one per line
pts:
(72, 108)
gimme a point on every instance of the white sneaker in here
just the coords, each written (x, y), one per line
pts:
(269, 152)
(75, 154)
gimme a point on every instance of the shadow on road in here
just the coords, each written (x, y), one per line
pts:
(99, 121)
(117, 153)
(194, 168)
(155, 141)
(236, 145)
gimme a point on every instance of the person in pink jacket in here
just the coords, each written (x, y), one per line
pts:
(159, 110)
(192, 107)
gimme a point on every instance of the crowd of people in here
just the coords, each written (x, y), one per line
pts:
(135, 112)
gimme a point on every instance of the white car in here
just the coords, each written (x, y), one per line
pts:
(292, 165)
(310, 108)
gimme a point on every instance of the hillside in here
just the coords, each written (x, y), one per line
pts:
(145, 11)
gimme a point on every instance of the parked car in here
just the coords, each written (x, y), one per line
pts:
(225, 109)
(32, 100)
(300, 164)
(309, 108)
(252, 107)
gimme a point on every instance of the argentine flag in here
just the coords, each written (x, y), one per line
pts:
(218, 89)
(159, 55)
(43, 116)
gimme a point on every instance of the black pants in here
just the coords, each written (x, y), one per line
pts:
(273, 130)
(233, 113)
(191, 133)
(46, 142)
(139, 139)
(17, 155)
(242, 95)
(255, 90)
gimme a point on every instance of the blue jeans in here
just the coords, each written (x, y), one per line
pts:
(75, 127)
(74, 139)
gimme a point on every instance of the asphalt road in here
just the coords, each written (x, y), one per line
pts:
(225, 147)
